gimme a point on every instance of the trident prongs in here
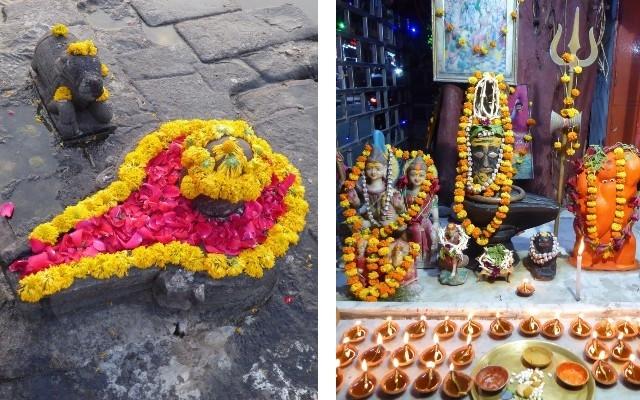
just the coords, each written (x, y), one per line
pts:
(574, 45)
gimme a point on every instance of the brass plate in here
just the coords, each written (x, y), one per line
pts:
(509, 356)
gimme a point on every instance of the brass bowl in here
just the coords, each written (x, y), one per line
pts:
(492, 379)
(525, 327)
(537, 357)
(399, 354)
(476, 330)
(610, 376)
(424, 385)
(548, 332)
(501, 331)
(586, 329)
(465, 383)
(429, 355)
(572, 374)
(414, 329)
(388, 385)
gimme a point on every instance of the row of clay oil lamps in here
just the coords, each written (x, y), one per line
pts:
(396, 381)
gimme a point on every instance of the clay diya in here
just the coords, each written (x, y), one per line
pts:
(429, 381)
(364, 385)
(404, 354)
(471, 327)
(492, 379)
(500, 328)
(346, 353)
(357, 333)
(606, 329)
(537, 357)
(530, 326)
(603, 372)
(525, 289)
(628, 328)
(446, 329)
(621, 350)
(456, 384)
(463, 356)
(339, 376)
(595, 347)
(389, 329)
(631, 371)
(375, 354)
(395, 381)
(572, 375)
(580, 328)
(417, 329)
(552, 329)
(434, 353)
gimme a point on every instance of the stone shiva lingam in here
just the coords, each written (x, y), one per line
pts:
(492, 209)
(543, 252)
(390, 226)
(69, 78)
(603, 197)
(208, 196)
(496, 262)
(451, 257)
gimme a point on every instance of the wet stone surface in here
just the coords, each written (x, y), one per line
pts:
(127, 348)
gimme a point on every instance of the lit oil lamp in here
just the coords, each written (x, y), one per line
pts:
(470, 327)
(628, 328)
(631, 371)
(603, 372)
(595, 347)
(417, 329)
(500, 328)
(346, 353)
(463, 356)
(389, 329)
(434, 353)
(552, 329)
(606, 329)
(395, 381)
(580, 328)
(525, 289)
(375, 354)
(530, 326)
(364, 385)
(446, 329)
(456, 384)
(621, 350)
(404, 354)
(429, 381)
(357, 333)
(339, 376)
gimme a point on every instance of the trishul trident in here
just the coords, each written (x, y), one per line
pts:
(558, 122)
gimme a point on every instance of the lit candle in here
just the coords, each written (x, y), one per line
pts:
(594, 343)
(579, 267)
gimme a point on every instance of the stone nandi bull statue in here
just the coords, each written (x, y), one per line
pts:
(70, 80)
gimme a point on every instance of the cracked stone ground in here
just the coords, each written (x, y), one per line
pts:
(169, 59)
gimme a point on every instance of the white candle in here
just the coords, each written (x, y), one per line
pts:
(579, 267)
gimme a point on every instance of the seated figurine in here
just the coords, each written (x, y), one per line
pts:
(451, 258)
(543, 252)
(70, 80)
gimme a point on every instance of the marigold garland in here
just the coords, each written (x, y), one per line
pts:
(59, 30)
(62, 93)
(82, 48)
(130, 176)
(502, 183)
(570, 142)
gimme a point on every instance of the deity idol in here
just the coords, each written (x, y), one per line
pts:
(420, 229)
(604, 198)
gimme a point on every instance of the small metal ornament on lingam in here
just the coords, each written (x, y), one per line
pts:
(543, 252)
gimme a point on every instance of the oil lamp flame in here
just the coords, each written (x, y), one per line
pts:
(469, 337)
(423, 318)
(620, 336)
(632, 358)
(436, 338)
(451, 367)
(594, 335)
(364, 365)
(337, 363)
(602, 355)
(431, 364)
(346, 340)
(379, 341)
(396, 363)
(405, 339)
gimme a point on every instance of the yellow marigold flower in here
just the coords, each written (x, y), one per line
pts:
(621, 174)
(60, 30)
(616, 227)
(575, 92)
(618, 151)
(592, 229)
(462, 42)
(439, 12)
(119, 190)
(104, 70)
(567, 57)
(104, 96)
(527, 138)
(504, 30)
(383, 251)
(514, 15)
(576, 145)
(82, 48)
(577, 69)
(46, 233)
(473, 80)
(565, 78)
(62, 93)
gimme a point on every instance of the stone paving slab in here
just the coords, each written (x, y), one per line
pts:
(30, 12)
(158, 62)
(230, 76)
(185, 97)
(225, 36)
(288, 61)
(156, 13)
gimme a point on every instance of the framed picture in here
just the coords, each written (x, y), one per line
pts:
(474, 35)
(520, 111)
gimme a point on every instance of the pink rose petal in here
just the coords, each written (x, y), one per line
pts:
(6, 209)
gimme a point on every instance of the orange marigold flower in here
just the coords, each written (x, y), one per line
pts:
(531, 122)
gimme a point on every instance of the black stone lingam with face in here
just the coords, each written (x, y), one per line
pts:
(543, 252)
(69, 79)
